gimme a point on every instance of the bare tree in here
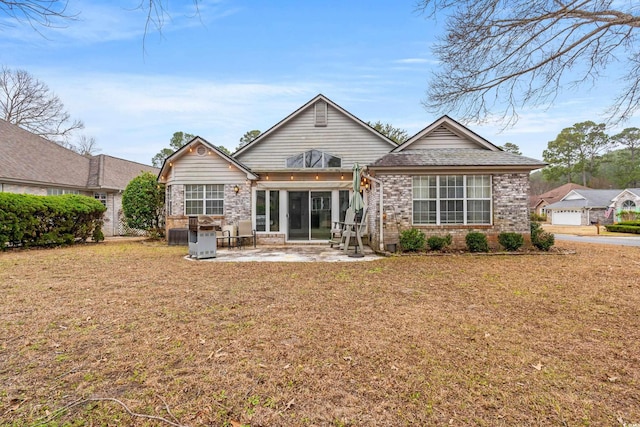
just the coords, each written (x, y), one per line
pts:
(36, 13)
(499, 55)
(27, 102)
(86, 145)
(53, 13)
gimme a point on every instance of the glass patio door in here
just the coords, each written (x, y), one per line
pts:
(309, 215)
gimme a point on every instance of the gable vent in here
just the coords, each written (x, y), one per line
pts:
(321, 113)
(201, 150)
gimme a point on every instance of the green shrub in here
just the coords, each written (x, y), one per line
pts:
(437, 243)
(511, 241)
(476, 242)
(538, 217)
(28, 220)
(540, 238)
(412, 240)
(623, 228)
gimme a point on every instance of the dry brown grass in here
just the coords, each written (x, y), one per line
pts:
(461, 340)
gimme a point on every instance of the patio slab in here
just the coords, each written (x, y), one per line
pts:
(294, 253)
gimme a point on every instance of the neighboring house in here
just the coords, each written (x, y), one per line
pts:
(295, 180)
(627, 201)
(33, 165)
(539, 203)
(583, 207)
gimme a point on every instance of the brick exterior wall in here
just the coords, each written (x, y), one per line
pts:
(236, 206)
(510, 210)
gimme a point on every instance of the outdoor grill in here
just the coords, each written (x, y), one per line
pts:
(202, 237)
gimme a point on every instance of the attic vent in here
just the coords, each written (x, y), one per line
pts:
(201, 150)
(321, 113)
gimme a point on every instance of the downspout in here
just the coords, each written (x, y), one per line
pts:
(377, 181)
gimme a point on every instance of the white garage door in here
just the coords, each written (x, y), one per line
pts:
(566, 217)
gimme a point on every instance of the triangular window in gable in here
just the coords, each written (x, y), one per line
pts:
(321, 114)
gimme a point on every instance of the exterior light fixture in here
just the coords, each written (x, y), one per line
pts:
(291, 177)
(236, 189)
(267, 177)
(341, 176)
(317, 177)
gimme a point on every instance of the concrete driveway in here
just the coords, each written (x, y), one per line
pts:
(589, 234)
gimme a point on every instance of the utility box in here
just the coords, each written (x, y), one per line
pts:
(202, 237)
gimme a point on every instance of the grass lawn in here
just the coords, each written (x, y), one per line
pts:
(453, 340)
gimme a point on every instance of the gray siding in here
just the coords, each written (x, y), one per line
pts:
(341, 137)
(442, 138)
(192, 168)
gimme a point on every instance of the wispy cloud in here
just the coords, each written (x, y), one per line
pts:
(414, 61)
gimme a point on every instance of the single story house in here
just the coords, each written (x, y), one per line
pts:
(583, 207)
(538, 203)
(296, 179)
(33, 165)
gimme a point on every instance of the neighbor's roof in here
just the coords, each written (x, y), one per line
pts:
(455, 157)
(585, 199)
(555, 194)
(29, 159)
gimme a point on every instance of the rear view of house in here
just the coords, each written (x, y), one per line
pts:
(295, 180)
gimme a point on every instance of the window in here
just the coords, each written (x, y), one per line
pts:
(452, 199)
(59, 191)
(267, 210)
(628, 205)
(102, 197)
(314, 159)
(169, 200)
(201, 199)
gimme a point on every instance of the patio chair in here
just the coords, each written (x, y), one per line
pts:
(340, 227)
(245, 232)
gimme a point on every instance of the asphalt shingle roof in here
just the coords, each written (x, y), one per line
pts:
(591, 199)
(455, 157)
(29, 158)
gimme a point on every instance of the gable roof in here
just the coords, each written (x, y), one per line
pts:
(297, 112)
(633, 191)
(189, 146)
(585, 199)
(446, 123)
(29, 159)
(555, 194)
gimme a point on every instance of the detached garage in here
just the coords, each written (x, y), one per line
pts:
(583, 207)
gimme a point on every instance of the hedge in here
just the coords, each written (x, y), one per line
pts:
(623, 228)
(27, 220)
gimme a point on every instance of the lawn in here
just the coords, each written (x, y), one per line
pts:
(444, 340)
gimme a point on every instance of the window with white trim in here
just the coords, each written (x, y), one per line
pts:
(267, 210)
(204, 199)
(101, 197)
(452, 199)
(59, 191)
(314, 159)
(169, 200)
(628, 205)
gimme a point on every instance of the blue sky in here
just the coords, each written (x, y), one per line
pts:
(242, 65)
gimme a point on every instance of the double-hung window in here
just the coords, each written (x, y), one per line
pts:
(204, 199)
(451, 199)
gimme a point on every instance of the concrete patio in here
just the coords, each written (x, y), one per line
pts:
(293, 253)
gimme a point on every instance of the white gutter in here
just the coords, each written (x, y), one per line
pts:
(381, 213)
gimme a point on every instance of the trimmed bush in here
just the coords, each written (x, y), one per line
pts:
(540, 238)
(538, 217)
(623, 228)
(28, 220)
(477, 242)
(412, 240)
(437, 243)
(511, 241)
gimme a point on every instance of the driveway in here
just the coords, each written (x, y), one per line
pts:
(589, 234)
